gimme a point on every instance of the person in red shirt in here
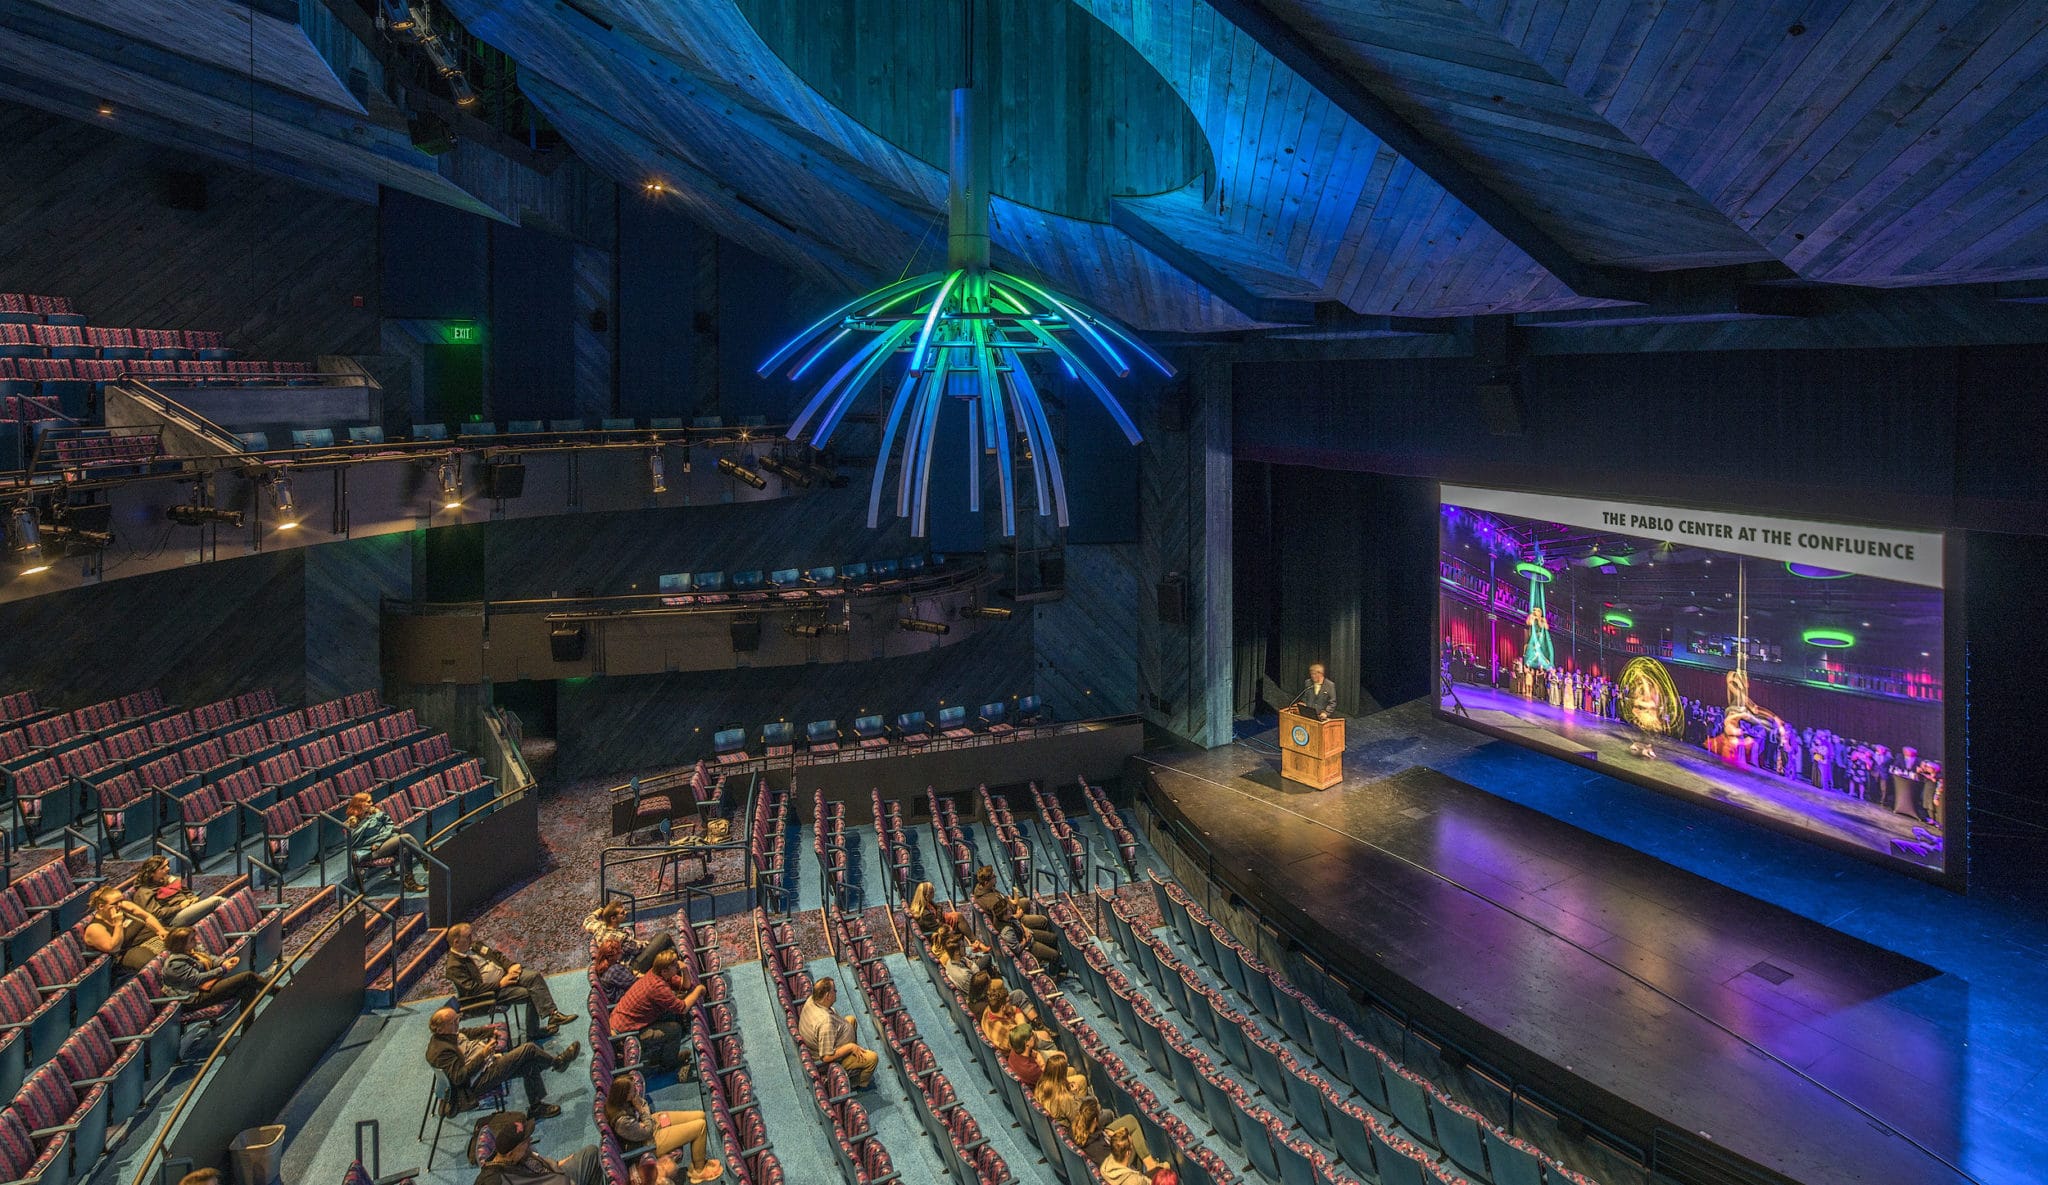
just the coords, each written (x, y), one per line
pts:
(1022, 1059)
(657, 1007)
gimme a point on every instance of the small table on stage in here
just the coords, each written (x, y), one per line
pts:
(1311, 750)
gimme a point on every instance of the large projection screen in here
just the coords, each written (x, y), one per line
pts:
(1794, 672)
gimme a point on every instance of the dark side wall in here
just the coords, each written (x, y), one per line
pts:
(278, 267)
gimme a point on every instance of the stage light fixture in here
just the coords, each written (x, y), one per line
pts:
(657, 472)
(188, 515)
(987, 612)
(787, 472)
(24, 530)
(739, 472)
(686, 458)
(397, 15)
(281, 500)
(918, 625)
(821, 629)
(451, 483)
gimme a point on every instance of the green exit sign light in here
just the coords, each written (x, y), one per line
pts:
(462, 334)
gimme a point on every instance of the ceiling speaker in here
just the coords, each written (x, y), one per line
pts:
(566, 642)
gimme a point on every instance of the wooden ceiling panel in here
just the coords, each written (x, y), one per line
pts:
(1861, 142)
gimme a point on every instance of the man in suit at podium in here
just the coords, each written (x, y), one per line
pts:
(1318, 695)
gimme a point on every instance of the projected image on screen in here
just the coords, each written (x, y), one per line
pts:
(1788, 669)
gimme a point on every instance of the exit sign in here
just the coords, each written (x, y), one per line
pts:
(462, 333)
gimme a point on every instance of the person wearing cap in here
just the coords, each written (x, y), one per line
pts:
(471, 1061)
(514, 1162)
(830, 1037)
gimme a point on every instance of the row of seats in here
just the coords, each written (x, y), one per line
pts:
(1063, 836)
(996, 809)
(721, 1068)
(26, 307)
(950, 1126)
(892, 840)
(729, 743)
(1397, 1102)
(43, 340)
(768, 843)
(828, 843)
(80, 1057)
(1110, 1080)
(156, 371)
(952, 841)
(1113, 825)
(862, 1158)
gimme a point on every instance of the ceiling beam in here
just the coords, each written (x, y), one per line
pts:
(1208, 275)
(1352, 97)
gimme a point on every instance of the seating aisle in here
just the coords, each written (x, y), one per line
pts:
(786, 1104)
(380, 1072)
(892, 1115)
(970, 1084)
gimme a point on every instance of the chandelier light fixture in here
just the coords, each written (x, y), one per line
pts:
(964, 333)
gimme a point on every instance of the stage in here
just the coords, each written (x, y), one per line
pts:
(1836, 1022)
(1790, 802)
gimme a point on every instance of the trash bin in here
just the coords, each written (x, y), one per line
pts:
(257, 1154)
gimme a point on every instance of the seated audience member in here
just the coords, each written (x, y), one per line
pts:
(657, 1007)
(985, 893)
(977, 993)
(609, 921)
(1009, 1011)
(1041, 943)
(166, 897)
(123, 930)
(201, 981)
(610, 971)
(514, 1162)
(923, 912)
(829, 1037)
(474, 968)
(637, 1124)
(1055, 1091)
(1125, 1165)
(1087, 1132)
(1022, 1059)
(201, 1177)
(954, 961)
(470, 1060)
(373, 836)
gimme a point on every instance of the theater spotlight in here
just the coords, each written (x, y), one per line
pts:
(281, 501)
(451, 483)
(734, 469)
(986, 612)
(787, 472)
(657, 472)
(396, 15)
(918, 625)
(686, 458)
(816, 629)
(188, 515)
(24, 531)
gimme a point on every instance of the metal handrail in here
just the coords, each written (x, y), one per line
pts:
(99, 858)
(287, 965)
(619, 603)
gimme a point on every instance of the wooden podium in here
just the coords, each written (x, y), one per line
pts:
(1311, 750)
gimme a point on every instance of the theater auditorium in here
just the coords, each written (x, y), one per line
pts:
(1012, 592)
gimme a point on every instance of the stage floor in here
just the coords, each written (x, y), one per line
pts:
(1490, 888)
(1693, 770)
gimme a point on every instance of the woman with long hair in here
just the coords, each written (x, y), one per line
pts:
(1056, 1091)
(924, 913)
(166, 898)
(635, 1123)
